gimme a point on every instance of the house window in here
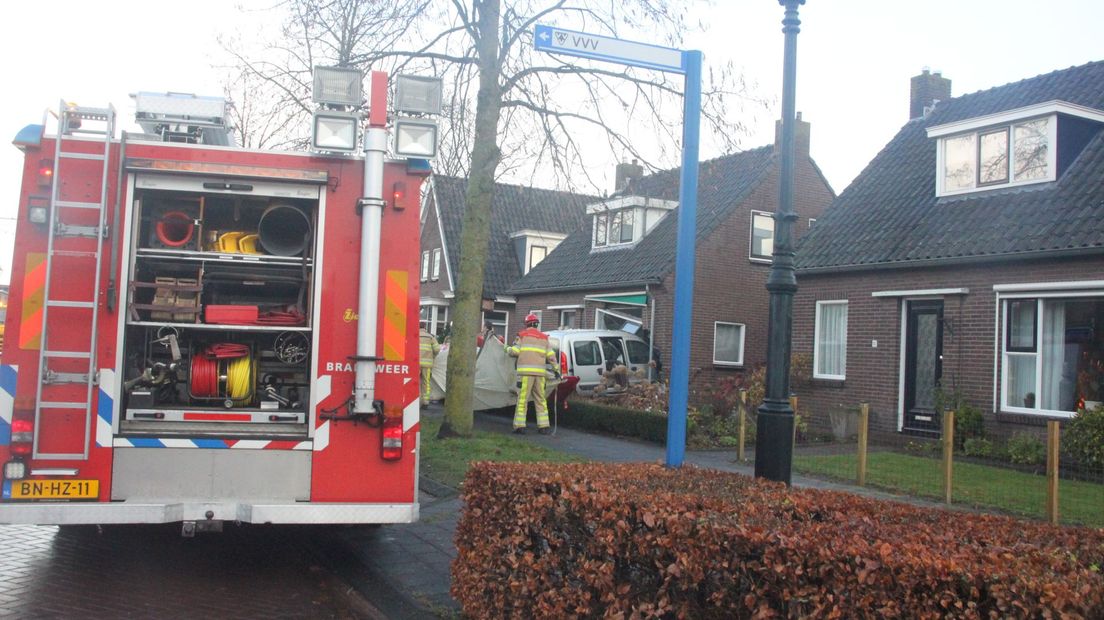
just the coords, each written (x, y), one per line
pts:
(425, 265)
(762, 235)
(728, 344)
(498, 321)
(568, 318)
(1008, 155)
(436, 264)
(812, 221)
(615, 227)
(536, 255)
(626, 226)
(1053, 354)
(434, 319)
(830, 340)
(600, 222)
(626, 319)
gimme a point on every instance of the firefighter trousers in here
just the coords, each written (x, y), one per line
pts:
(531, 385)
(426, 372)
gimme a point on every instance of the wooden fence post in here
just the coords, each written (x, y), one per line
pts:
(948, 453)
(741, 409)
(793, 405)
(864, 422)
(1052, 471)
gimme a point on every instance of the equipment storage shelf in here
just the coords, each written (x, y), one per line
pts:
(218, 332)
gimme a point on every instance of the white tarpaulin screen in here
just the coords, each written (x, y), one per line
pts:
(495, 379)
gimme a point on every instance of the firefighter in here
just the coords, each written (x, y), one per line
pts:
(533, 352)
(428, 349)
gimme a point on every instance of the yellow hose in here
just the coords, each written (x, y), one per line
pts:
(239, 378)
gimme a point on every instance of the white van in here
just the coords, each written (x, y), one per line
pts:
(589, 351)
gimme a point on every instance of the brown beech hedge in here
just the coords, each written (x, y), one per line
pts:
(643, 541)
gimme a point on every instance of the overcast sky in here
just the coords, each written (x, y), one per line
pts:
(855, 58)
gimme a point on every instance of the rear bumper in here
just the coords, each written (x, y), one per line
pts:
(105, 513)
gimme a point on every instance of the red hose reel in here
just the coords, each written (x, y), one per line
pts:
(175, 229)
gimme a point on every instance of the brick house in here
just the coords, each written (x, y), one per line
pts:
(526, 224)
(617, 272)
(966, 257)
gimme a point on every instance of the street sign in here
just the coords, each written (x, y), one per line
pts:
(560, 41)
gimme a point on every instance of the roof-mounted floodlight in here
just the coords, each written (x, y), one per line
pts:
(415, 138)
(337, 86)
(418, 95)
(335, 131)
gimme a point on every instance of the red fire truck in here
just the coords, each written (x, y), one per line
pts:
(201, 333)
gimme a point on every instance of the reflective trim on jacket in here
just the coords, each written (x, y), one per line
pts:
(533, 351)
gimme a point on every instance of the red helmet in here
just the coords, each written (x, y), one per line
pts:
(531, 319)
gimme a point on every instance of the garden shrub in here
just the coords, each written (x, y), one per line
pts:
(969, 423)
(591, 416)
(977, 447)
(1084, 438)
(641, 540)
(1026, 449)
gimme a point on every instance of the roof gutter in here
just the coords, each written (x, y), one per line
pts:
(583, 287)
(952, 261)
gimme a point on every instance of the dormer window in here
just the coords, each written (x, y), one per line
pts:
(1009, 155)
(623, 221)
(1011, 148)
(532, 246)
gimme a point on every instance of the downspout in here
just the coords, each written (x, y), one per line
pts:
(375, 146)
(653, 374)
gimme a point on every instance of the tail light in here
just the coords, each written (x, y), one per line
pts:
(392, 439)
(45, 172)
(563, 363)
(22, 436)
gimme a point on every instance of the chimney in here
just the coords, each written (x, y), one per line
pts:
(926, 89)
(625, 174)
(802, 132)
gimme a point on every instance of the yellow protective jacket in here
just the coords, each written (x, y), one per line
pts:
(427, 348)
(533, 352)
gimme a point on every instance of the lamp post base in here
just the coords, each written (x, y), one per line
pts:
(774, 444)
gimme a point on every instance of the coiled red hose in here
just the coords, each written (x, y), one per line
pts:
(175, 229)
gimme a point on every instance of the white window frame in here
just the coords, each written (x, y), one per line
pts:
(751, 236)
(505, 322)
(575, 317)
(743, 339)
(1006, 293)
(1009, 125)
(532, 255)
(816, 340)
(436, 261)
(425, 266)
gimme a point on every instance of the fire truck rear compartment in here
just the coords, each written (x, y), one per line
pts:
(218, 340)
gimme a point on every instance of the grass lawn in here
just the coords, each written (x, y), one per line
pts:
(976, 485)
(447, 460)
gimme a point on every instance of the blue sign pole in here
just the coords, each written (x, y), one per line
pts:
(684, 262)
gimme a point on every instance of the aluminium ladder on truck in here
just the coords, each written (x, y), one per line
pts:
(76, 232)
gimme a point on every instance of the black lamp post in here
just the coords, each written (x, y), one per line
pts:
(775, 426)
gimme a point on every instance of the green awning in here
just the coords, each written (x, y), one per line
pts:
(631, 299)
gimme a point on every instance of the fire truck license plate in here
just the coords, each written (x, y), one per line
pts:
(55, 489)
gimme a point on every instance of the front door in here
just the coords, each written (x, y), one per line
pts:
(923, 364)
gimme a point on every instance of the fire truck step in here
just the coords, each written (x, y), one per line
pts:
(73, 204)
(61, 405)
(94, 156)
(62, 303)
(84, 355)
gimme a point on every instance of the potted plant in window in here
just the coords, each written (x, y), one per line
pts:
(1090, 381)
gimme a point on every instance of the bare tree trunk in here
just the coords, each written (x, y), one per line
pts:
(474, 234)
